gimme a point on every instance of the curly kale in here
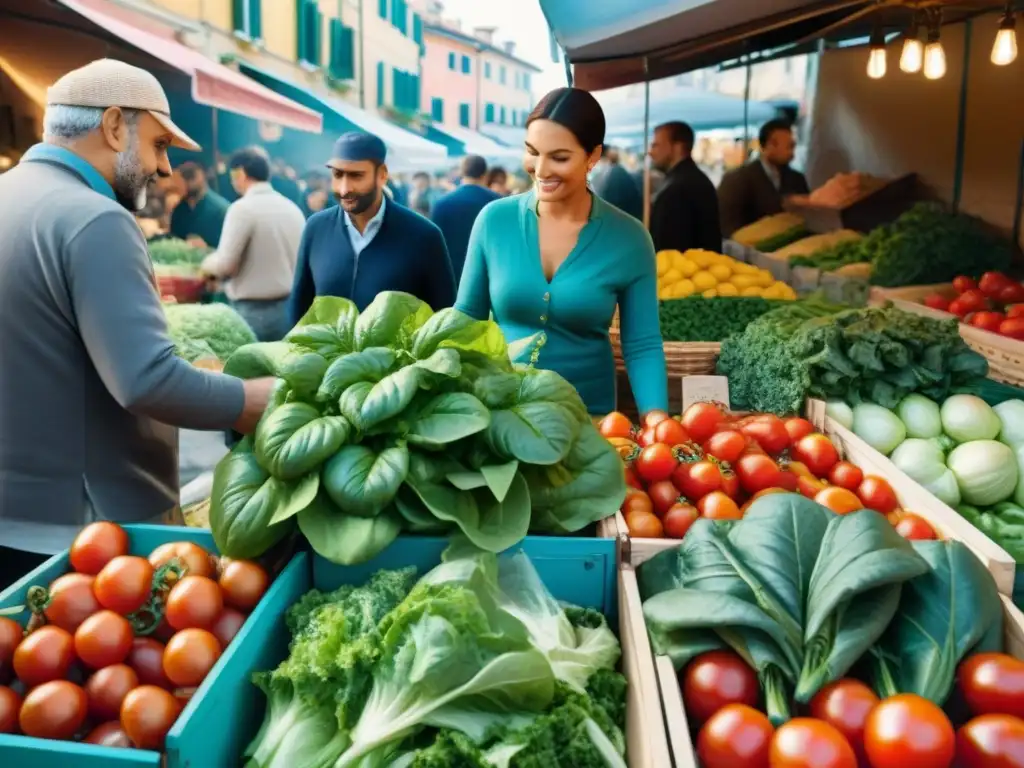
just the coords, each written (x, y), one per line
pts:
(218, 325)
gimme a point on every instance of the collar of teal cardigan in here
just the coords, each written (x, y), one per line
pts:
(49, 153)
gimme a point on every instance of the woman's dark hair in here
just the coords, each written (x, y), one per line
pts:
(575, 110)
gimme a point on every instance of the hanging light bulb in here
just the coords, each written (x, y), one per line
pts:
(877, 56)
(934, 55)
(912, 57)
(1004, 50)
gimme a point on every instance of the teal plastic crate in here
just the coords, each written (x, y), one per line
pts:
(581, 571)
(221, 692)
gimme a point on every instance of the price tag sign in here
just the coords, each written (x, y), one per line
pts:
(705, 389)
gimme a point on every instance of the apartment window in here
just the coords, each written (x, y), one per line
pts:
(487, 70)
(437, 109)
(451, 60)
(526, 81)
(417, 31)
(514, 116)
(464, 115)
(466, 68)
(502, 115)
(400, 16)
(380, 83)
(502, 74)
(341, 65)
(246, 18)
(309, 40)
(382, 8)
(517, 78)
(489, 113)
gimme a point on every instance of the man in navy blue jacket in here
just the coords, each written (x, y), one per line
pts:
(455, 212)
(367, 244)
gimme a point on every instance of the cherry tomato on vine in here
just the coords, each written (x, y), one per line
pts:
(71, 601)
(757, 472)
(104, 639)
(125, 583)
(769, 432)
(147, 714)
(54, 710)
(736, 735)
(11, 635)
(244, 583)
(991, 741)
(992, 683)
(817, 452)
(10, 705)
(715, 679)
(227, 626)
(663, 495)
(670, 432)
(96, 545)
(730, 484)
(696, 480)
(655, 463)
(845, 705)
(146, 658)
(846, 475)
(44, 655)
(717, 506)
(914, 527)
(907, 729)
(877, 494)
(108, 735)
(678, 519)
(701, 420)
(726, 446)
(797, 428)
(807, 743)
(616, 424)
(195, 559)
(189, 657)
(195, 601)
(106, 689)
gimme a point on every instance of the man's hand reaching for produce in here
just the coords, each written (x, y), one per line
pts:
(257, 395)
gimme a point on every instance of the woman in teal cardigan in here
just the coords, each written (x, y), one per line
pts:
(558, 259)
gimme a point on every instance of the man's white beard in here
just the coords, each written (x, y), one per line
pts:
(130, 180)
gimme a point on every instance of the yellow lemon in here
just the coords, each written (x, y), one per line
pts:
(743, 281)
(684, 288)
(688, 268)
(664, 261)
(702, 259)
(753, 290)
(672, 276)
(710, 293)
(764, 278)
(720, 271)
(704, 280)
(728, 289)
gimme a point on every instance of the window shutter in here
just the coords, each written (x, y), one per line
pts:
(417, 32)
(437, 109)
(382, 8)
(238, 15)
(342, 55)
(301, 38)
(255, 19)
(311, 39)
(380, 83)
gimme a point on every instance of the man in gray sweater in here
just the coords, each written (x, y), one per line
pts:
(91, 393)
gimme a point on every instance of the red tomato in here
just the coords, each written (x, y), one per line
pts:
(654, 418)
(103, 639)
(991, 741)
(670, 432)
(148, 713)
(715, 679)
(663, 495)
(44, 655)
(146, 658)
(1013, 327)
(993, 283)
(54, 710)
(195, 601)
(908, 730)
(698, 479)
(788, 480)
(644, 525)
(194, 559)
(915, 528)
(616, 424)
(637, 501)
(655, 463)
(845, 705)
(1017, 310)
(124, 584)
(797, 428)
(107, 688)
(936, 301)
(189, 657)
(992, 683)
(108, 735)
(701, 420)
(963, 284)
(645, 437)
(757, 472)
(71, 601)
(769, 432)
(807, 743)
(988, 321)
(877, 494)
(730, 484)
(10, 705)
(736, 735)
(11, 635)
(846, 475)
(727, 445)
(631, 479)
(96, 545)
(229, 622)
(839, 500)
(718, 506)
(817, 453)
(678, 519)
(958, 308)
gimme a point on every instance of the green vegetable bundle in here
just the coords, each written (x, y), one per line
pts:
(206, 330)
(404, 419)
(925, 245)
(476, 665)
(174, 252)
(700, 319)
(803, 595)
(875, 354)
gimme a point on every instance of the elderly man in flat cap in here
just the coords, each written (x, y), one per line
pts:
(91, 391)
(368, 244)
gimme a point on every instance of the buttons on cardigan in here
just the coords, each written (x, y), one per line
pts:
(543, 318)
(547, 296)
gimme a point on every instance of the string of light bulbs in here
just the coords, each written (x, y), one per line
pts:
(928, 55)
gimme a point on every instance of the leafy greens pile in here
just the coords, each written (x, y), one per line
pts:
(404, 419)
(925, 245)
(474, 666)
(701, 319)
(206, 330)
(175, 252)
(875, 354)
(803, 595)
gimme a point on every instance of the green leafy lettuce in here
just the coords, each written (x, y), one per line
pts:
(400, 418)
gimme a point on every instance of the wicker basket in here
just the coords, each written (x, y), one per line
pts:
(1005, 356)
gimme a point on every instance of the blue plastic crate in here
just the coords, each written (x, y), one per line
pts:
(235, 696)
(227, 717)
